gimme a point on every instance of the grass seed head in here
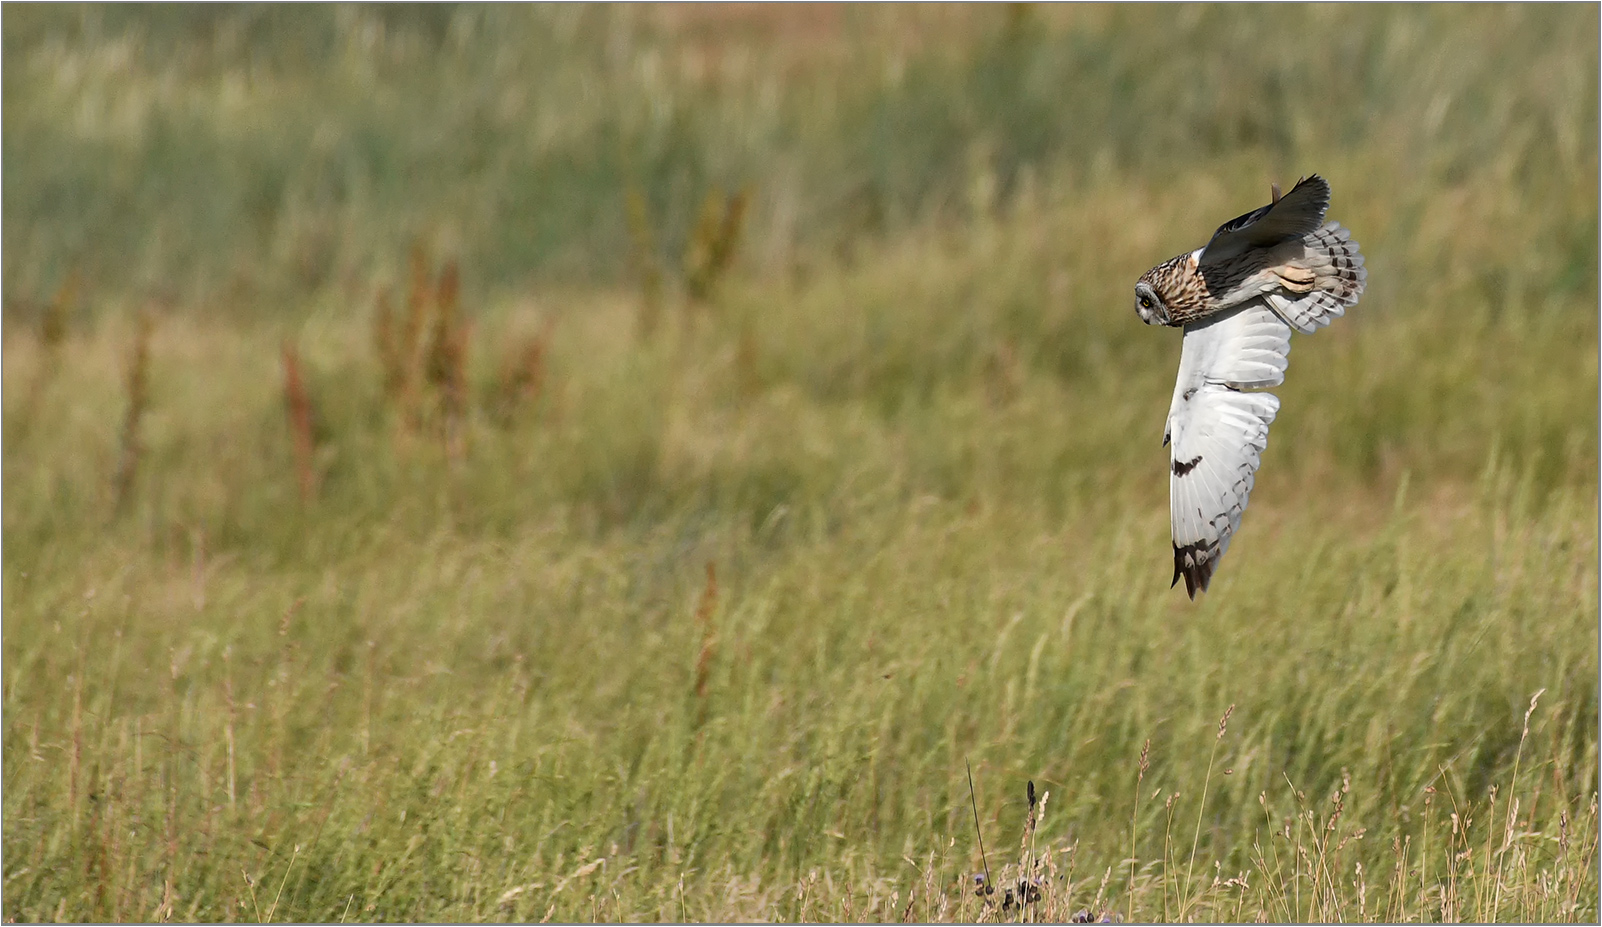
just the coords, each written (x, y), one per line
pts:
(1223, 722)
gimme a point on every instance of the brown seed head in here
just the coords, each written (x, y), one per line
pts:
(1224, 721)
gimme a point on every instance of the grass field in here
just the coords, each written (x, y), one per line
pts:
(633, 463)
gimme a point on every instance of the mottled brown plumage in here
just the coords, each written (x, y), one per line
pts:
(1283, 249)
(1181, 287)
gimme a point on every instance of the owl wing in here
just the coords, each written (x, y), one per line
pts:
(1216, 432)
(1299, 212)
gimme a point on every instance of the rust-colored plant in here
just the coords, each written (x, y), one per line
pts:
(410, 345)
(297, 403)
(447, 360)
(522, 375)
(425, 378)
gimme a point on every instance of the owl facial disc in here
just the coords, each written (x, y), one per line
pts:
(1149, 306)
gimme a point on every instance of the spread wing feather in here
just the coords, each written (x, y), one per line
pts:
(1338, 276)
(1217, 432)
(1299, 212)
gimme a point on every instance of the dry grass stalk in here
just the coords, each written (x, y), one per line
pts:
(387, 345)
(703, 617)
(233, 716)
(698, 250)
(75, 758)
(52, 333)
(1134, 819)
(447, 360)
(713, 244)
(440, 362)
(424, 356)
(986, 887)
(1030, 884)
(418, 296)
(729, 230)
(643, 260)
(1223, 725)
(53, 323)
(1588, 854)
(298, 404)
(138, 380)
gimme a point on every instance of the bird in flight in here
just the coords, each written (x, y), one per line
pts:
(1274, 270)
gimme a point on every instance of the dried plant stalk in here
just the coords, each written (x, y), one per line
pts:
(713, 243)
(424, 358)
(138, 400)
(729, 231)
(52, 333)
(644, 261)
(418, 297)
(441, 363)
(298, 404)
(447, 360)
(522, 375)
(698, 251)
(387, 345)
(703, 617)
(53, 324)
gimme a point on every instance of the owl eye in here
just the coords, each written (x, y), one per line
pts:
(1145, 301)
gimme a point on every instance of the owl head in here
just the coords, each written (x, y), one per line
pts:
(1172, 293)
(1149, 306)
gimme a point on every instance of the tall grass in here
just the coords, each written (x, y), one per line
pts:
(591, 582)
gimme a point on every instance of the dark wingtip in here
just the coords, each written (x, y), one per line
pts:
(1195, 562)
(1308, 199)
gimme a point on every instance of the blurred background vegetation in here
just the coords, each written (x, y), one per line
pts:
(493, 462)
(238, 158)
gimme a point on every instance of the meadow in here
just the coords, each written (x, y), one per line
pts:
(661, 463)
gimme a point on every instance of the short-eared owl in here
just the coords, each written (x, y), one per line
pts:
(1275, 269)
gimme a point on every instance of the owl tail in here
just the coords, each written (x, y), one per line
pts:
(1322, 282)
